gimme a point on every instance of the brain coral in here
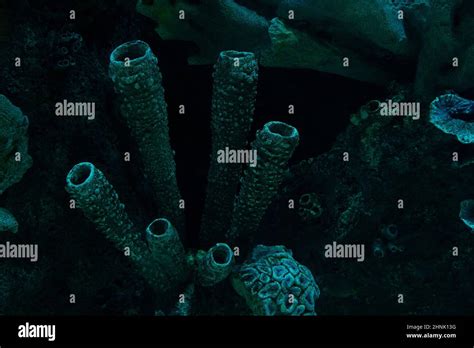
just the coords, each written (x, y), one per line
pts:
(273, 283)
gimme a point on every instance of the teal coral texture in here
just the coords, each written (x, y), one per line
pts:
(97, 198)
(274, 144)
(233, 105)
(137, 79)
(14, 142)
(454, 115)
(274, 283)
(8, 222)
(167, 251)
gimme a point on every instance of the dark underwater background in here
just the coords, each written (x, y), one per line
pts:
(390, 159)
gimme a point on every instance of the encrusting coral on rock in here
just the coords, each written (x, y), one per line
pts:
(160, 256)
(274, 283)
(454, 115)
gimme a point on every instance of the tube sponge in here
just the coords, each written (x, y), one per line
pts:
(97, 198)
(274, 283)
(274, 144)
(137, 79)
(8, 222)
(467, 213)
(454, 115)
(100, 203)
(13, 141)
(233, 105)
(167, 251)
(215, 265)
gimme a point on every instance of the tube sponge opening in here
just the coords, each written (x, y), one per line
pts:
(133, 51)
(158, 228)
(215, 265)
(281, 129)
(221, 255)
(80, 174)
(467, 213)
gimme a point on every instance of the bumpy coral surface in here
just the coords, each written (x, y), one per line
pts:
(274, 145)
(233, 105)
(14, 158)
(137, 79)
(454, 115)
(273, 283)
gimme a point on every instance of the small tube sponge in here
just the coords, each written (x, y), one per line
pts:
(274, 144)
(137, 79)
(13, 142)
(167, 251)
(233, 105)
(215, 265)
(274, 283)
(97, 198)
(454, 115)
(467, 213)
(8, 222)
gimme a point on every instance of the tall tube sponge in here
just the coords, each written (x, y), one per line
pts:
(137, 79)
(97, 198)
(274, 144)
(233, 105)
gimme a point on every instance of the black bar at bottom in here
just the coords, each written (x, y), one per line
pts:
(258, 330)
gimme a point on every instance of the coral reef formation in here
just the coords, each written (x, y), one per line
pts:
(466, 213)
(274, 283)
(8, 222)
(454, 115)
(137, 79)
(14, 157)
(215, 265)
(233, 104)
(274, 145)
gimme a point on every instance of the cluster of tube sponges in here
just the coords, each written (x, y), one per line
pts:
(284, 286)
